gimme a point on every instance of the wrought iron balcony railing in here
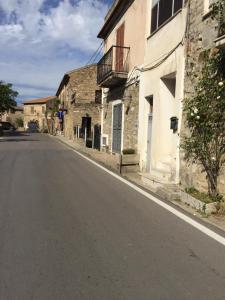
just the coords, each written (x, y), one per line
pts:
(114, 66)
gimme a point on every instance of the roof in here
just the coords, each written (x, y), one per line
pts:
(67, 75)
(39, 100)
(117, 10)
(18, 107)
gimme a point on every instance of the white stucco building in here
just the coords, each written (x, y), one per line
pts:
(162, 91)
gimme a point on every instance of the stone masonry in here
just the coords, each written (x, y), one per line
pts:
(201, 34)
(81, 97)
(129, 95)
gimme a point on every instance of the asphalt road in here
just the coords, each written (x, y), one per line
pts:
(68, 230)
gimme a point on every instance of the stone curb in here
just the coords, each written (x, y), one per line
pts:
(197, 204)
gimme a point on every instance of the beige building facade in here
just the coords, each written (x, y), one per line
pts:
(162, 91)
(35, 111)
(118, 73)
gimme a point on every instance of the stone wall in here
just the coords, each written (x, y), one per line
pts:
(201, 33)
(90, 109)
(130, 98)
(79, 98)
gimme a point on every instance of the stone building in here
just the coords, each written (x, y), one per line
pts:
(202, 34)
(35, 112)
(80, 98)
(123, 33)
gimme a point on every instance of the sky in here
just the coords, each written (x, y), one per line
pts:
(43, 39)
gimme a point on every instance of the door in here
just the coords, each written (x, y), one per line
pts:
(97, 137)
(149, 143)
(86, 127)
(117, 128)
(119, 49)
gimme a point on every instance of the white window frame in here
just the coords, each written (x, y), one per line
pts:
(159, 26)
(207, 3)
(105, 136)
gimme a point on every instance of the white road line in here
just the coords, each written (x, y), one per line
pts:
(177, 213)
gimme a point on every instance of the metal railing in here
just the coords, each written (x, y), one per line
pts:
(116, 60)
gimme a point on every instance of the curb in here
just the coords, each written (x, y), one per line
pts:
(179, 205)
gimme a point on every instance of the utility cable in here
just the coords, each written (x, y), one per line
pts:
(95, 53)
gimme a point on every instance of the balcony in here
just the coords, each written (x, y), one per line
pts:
(113, 68)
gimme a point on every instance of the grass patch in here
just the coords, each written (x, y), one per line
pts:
(205, 198)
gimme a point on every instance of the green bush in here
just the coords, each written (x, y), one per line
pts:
(129, 151)
(19, 122)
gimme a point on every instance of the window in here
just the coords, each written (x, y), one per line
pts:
(105, 140)
(43, 109)
(73, 97)
(165, 11)
(98, 96)
(162, 10)
(32, 110)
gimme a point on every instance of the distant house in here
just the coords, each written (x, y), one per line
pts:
(35, 111)
(80, 98)
(15, 112)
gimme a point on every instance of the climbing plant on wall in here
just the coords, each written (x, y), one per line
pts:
(218, 13)
(205, 117)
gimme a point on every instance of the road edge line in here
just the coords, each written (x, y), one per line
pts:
(210, 233)
(204, 229)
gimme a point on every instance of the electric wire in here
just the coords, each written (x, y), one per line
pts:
(95, 54)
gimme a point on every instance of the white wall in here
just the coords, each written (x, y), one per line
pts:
(165, 143)
(134, 35)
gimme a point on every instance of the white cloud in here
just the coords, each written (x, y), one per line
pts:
(37, 47)
(74, 25)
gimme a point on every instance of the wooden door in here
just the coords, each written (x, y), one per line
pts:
(120, 50)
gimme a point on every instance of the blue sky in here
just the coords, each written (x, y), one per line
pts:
(42, 39)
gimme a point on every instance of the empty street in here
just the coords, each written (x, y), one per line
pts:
(69, 230)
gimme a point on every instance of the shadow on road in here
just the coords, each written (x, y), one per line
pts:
(17, 136)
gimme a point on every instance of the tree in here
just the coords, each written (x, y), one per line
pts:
(7, 96)
(19, 122)
(205, 117)
(51, 112)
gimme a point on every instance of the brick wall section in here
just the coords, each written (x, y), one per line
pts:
(201, 35)
(82, 83)
(130, 99)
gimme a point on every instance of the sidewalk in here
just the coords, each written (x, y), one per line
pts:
(167, 193)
